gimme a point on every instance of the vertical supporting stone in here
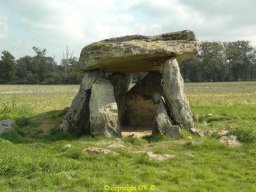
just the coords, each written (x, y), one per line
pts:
(77, 116)
(173, 88)
(162, 119)
(120, 82)
(103, 109)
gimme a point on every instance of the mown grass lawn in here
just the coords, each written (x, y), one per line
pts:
(34, 156)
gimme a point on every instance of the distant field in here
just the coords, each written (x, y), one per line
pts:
(221, 93)
(33, 156)
(35, 99)
(27, 100)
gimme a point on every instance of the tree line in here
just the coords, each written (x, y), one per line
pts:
(39, 69)
(215, 61)
(221, 61)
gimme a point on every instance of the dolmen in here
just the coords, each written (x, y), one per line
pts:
(108, 100)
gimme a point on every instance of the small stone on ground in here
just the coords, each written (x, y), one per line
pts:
(174, 131)
(230, 140)
(67, 146)
(159, 157)
(116, 145)
(223, 133)
(198, 132)
(6, 124)
(95, 150)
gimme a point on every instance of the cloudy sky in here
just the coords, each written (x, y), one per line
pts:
(55, 24)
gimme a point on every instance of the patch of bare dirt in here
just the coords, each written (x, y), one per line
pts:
(139, 132)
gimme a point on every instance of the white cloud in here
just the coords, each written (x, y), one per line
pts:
(55, 24)
(3, 28)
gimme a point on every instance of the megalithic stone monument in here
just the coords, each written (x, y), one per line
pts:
(105, 104)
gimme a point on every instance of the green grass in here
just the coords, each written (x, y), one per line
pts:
(33, 156)
(28, 100)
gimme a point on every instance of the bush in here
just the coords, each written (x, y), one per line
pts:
(244, 135)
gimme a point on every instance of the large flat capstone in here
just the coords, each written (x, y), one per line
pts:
(138, 53)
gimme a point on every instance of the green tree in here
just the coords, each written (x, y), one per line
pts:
(39, 63)
(212, 55)
(24, 68)
(37, 69)
(240, 58)
(70, 67)
(7, 67)
(253, 64)
(192, 69)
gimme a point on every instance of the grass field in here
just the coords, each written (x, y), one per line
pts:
(34, 156)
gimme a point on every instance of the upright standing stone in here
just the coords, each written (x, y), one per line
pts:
(162, 119)
(120, 82)
(77, 116)
(103, 109)
(173, 88)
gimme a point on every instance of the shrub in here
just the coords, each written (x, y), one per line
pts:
(245, 135)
